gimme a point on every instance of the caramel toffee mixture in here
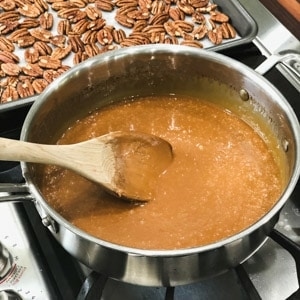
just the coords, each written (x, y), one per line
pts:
(223, 177)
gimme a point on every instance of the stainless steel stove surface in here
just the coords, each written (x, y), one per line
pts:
(19, 266)
(34, 266)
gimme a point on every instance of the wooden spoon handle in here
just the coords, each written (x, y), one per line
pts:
(81, 158)
(15, 150)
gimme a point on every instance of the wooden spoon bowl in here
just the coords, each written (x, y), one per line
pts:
(127, 164)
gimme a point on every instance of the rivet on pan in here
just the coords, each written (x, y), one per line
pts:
(244, 95)
(50, 223)
(46, 221)
(285, 145)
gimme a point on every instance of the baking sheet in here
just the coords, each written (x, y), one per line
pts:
(243, 23)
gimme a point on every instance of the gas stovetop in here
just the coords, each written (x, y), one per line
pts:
(34, 266)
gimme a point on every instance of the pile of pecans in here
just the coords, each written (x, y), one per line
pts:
(39, 37)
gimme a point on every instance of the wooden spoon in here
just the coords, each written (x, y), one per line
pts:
(127, 164)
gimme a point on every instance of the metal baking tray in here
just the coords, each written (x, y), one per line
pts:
(241, 20)
(244, 24)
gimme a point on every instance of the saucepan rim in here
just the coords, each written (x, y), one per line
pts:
(153, 50)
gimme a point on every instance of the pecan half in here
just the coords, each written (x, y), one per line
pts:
(25, 89)
(42, 48)
(138, 14)
(228, 31)
(91, 50)
(215, 36)
(185, 7)
(58, 40)
(76, 43)
(191, 44)
(118, 35)
(218, 17)
(79, 57)
(41, 34)
(32, 69)
(8, 57)
(198, 17)
(64, 27)
(79, 3)
(7, 5)
(104, 37)
(61, 52)
(49, 62)
(39, 85)
(72, 14)
(137, 38)
(208, 8)
(8, 26)
(31, 55)
(9, 94)
(9, 16)
(105, 5)
(157, 37)
(9, 80)
(199, 3)
(120, 3)
(29, 23)
(145, 4)
(20, 3)
(58, 5)
(159, 19)
(200, 32)
(41, 5)
(158, 7)
(171, 40)
(31, 11)
(46, 20)
(96, 25)
(170, 28)
(63, 69)
(108, 48)
(151, 29)
(80, 27)
(6, 44)
(176, 14)
(78, 16)
(93, 13)
(139, 25)
(10, 69)
(26, 41)
(50, 75)
(184, 25)
(89, 37)
(17, 34)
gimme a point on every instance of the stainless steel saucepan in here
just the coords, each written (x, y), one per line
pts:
(147, 70)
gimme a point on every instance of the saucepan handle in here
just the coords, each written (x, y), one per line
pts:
(290, 60)
(14, 192)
